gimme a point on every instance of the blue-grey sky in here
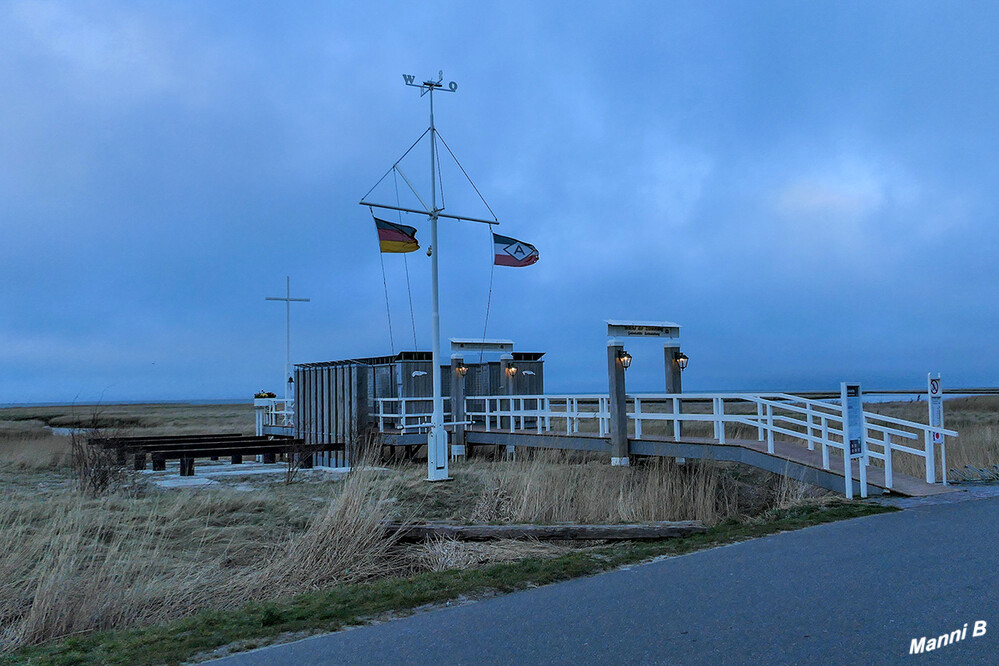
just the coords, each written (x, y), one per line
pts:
(810, 189)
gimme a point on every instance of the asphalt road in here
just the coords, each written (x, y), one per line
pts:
(852, 592)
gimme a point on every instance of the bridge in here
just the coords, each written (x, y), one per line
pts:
(799, 437)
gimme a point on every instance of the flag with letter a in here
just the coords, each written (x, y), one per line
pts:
(512, 252)
(396, 237)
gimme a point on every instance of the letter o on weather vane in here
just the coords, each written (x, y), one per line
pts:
(452, 86)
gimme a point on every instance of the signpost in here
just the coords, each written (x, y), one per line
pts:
(854, 436)
(935, 390)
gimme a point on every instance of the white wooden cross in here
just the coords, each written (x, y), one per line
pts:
(287, 318)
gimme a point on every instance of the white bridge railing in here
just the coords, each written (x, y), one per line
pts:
(274, 412)
(816, 423)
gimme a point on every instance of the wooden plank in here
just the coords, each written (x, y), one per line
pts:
(641, 531)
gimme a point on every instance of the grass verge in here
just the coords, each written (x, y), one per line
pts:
(260, 623)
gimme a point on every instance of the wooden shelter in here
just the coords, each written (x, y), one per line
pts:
(336, 402)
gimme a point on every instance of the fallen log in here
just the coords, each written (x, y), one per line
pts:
(567, 531)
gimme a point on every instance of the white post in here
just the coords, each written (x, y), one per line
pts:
(437, 458)
(888, 470)
(943, 462)
(638, 418)
(934, 389)
(808, 414)
(770, 428)
(854, 436)
(825, 442)
(759, 421)
(930, 455)
(720, 416)
(676, 420)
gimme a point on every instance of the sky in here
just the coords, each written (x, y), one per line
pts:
(809, 189)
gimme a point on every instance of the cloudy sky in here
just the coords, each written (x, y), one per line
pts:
(810, 189)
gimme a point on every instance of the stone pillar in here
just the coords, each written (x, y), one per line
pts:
(674, 383)
(618, 406)
(507, 388)
(457, 406)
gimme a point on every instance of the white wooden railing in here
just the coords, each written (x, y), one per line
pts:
(274, 412)
(814, 422)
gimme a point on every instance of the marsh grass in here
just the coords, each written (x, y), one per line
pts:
(75, 564)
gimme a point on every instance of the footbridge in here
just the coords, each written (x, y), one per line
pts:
(799, 437)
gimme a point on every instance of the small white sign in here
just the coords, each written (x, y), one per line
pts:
(643, 329)
(935, 391)
(854, 410)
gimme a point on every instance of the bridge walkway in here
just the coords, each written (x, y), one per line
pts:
(788, 458)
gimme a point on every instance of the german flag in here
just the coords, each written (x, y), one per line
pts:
(396, 237)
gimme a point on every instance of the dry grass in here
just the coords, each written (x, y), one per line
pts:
(975, 418)
(553, 486)
(77, 564)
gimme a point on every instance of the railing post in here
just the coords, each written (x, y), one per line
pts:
(759, 421)
(825, 442)
(638, 418)
(676, 420)
(930, 458)
(617, 406)
(943, 459)
(770, 428)
(888, 470)
(721, 419)
(808, 415)
(259, 413)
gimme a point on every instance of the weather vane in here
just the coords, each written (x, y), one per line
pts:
(430, 86)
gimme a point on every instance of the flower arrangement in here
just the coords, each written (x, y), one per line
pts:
(265, 394)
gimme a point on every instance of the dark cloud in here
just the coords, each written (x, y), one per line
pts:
(807, 188)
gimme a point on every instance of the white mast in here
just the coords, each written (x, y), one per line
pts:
(437, 453)
(437, 445)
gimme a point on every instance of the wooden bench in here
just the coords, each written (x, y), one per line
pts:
(187, 448)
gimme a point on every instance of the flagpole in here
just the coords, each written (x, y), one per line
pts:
(437, 444)
(437, 458)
